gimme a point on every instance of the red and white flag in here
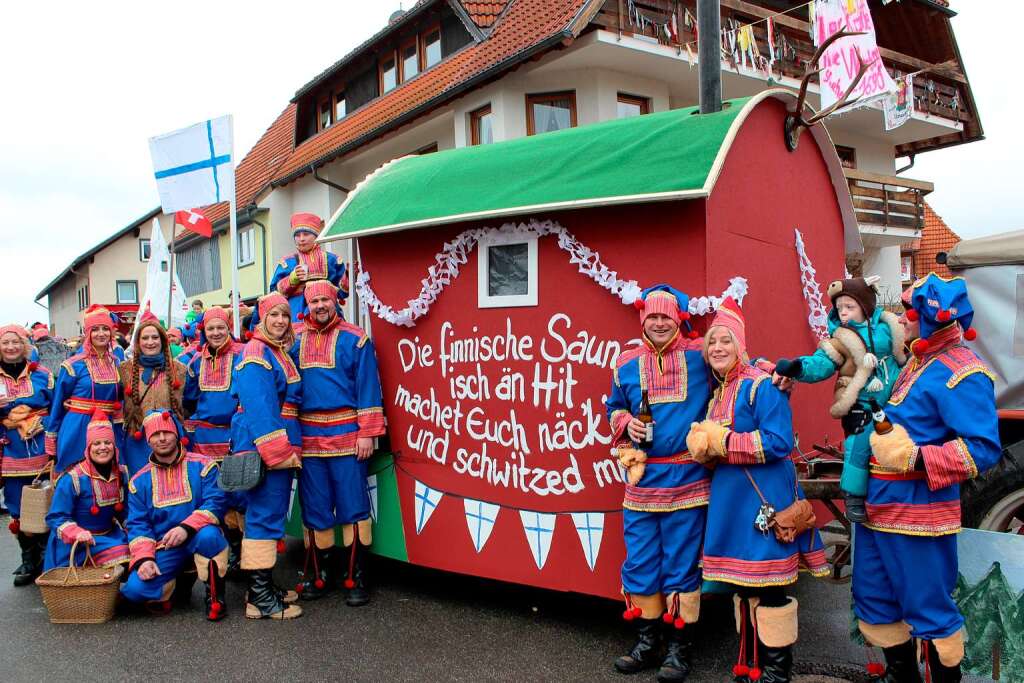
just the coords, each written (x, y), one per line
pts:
(194, 220)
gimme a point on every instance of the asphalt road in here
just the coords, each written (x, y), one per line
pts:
(421, 626)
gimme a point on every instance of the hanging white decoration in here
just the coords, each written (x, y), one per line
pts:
(454, 254)
(817, 317)
(590, 527)
(480, 518)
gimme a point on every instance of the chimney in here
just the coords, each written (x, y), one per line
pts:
(709, 58)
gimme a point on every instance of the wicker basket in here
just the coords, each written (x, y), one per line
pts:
(80, 595)
(35, 504)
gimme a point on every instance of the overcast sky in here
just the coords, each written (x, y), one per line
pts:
(84, 89)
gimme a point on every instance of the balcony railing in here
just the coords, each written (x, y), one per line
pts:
(942, 95)
(887, 201)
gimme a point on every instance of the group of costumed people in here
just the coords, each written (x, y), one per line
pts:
(705, 436)
(134, 446)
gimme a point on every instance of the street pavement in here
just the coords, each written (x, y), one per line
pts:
(422, 625)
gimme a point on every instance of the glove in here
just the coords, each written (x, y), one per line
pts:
(716, 437)
(895, 450)
(856, 420)
(789, 368)
(697, 444)
(635, 462)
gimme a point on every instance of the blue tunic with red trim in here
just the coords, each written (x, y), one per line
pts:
(83, 499)
(320, 265)
(208, 384)
(161, 497)
(341, 395)
(946, 402)
(85, 383)
(23, 450)
(268, 388)
(760, 440)
(676, 381)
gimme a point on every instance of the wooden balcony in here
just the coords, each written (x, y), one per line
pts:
(944, 92)
(885, 201)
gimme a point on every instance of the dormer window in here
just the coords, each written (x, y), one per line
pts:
(325, 114)
(388, 74)
(410, 60)
(340, 106)
(431, 47)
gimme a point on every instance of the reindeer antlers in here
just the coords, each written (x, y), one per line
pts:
(795, 122)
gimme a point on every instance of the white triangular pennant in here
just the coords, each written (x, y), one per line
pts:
(590, 527)
(480, 518)
(371, 491)
(539, 528)
(427, 500)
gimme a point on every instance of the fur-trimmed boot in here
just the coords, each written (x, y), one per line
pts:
(646, 651)
(263, 600)
(776, 633)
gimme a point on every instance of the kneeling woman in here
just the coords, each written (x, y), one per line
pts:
(748, 435)
(268, 388)
(89, 503)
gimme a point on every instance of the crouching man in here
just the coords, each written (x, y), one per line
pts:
(174, 509)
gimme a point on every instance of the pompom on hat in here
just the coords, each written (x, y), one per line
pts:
(160, 421)
(936, 303)
(306, 222)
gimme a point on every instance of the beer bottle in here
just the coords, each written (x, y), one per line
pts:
(882, 424)
(648, 420)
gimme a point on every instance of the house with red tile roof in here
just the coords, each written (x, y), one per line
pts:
(918, 258)
(453, 73)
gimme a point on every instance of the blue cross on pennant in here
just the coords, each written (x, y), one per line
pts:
(427, 500)
(590, 527)
(193, 166)
(480, 518)
(539, 528)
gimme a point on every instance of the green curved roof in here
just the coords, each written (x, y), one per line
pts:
(656, 157)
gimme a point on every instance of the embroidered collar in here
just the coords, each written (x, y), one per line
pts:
(941, 340)
(311, 324)
(283, 344)
(675, 341)
(167, 465)
(89, 470)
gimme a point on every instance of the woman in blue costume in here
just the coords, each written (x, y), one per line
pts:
(26, 391)
(268, 388)
(87, 382)
(88, 504)
(210, 405)
(151, 380)
(747, 437)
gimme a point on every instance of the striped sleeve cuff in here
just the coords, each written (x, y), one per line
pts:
(142, 548)
(947, 464)
(68, 531)
(371, 422)
(743, 448)
(200, 518)
(274, 447)
(619, 420)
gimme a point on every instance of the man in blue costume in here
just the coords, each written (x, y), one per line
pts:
(667, 494)
(944, 431)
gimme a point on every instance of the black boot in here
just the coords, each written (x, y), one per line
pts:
(676, 665)
(855, 508)
(355, 576)
(181, 596)
(940, 673)
(31, 560)
(318, 575)
(234, 538)
(646, 651)
(216, 608)
(901, 663)
(263, 600)
(776, 663)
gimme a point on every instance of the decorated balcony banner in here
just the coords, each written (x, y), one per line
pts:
(843, 58)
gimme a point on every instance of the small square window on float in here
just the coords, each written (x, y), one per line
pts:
(507, 271)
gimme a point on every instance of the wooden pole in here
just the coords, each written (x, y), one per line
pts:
(709, 55)
(170, 281)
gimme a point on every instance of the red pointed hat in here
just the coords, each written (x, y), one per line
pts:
(160, 421)
(96, 315)
(308, 222)
(15, 329)
(731, 318)
(268, 302)
(317, 288)
(99, 427)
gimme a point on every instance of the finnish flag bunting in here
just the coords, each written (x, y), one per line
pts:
(427, 500)
(194, 166)
(539, 528)
(480, 518)
(590, 527)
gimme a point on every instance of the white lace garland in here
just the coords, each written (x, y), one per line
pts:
(455, 254)
(817, 317)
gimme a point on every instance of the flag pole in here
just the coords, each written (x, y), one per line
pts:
(232, 211)
(170, 280)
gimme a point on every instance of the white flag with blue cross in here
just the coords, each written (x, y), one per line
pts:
(194, 166)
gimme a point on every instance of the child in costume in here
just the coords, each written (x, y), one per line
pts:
(865, 349)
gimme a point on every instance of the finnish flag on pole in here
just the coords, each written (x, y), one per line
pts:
(193, 166)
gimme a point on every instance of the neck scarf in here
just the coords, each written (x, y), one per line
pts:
(149, 364)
